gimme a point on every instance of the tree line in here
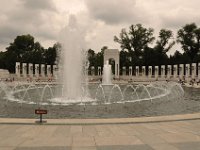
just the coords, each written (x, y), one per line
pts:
(138, 45)
(24, 49)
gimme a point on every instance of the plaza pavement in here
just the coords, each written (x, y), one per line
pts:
(178, 132)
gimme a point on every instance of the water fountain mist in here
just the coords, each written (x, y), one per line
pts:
(72, 60)
(107, 74)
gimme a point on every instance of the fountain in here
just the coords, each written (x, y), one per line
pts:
(72, 60)
(107, 74)
(72, 87)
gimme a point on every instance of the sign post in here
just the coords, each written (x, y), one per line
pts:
(40, 112)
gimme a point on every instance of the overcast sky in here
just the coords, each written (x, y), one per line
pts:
(101, 19)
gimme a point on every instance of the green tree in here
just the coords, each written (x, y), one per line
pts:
(135, 40)
(179, 58)
(163, 45)
(189, 38)
(50, 55)
(149, 57)
(20, 50)
(91, 57)
(37, 54)
(2, 60)
(22, 46)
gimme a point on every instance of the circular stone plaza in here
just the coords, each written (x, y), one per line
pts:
(136, 108)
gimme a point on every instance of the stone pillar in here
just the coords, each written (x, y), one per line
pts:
(198, 69)
(181, 71)
(130, 71)
(169, 71)
(42, 73)
(187, 71)
(117, 69)
(143, 71)
(24, 69)
(150, 72)
(17, 69)
(137, 71)
(156, 72)
(99, 71)
(92, 71)
(163, 71)
(37, 70)
(175, 68)
(49, 71)
(30, 66)
(123, 71)
(194, 72)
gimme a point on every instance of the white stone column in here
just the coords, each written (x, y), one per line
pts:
(99, 71)
(30, 66)
(92, 71)
(181, 71)
(143, 71)
(187, 70)
(198, 71)
(175, 68)
(42, 73)
(49, 71)
(163, 71)
(137, 71)
(37, 70)
(24, 69)
(169, 71)
(156, 72)
(17, 69)
(130, 70)
(124, 71)
(150, 72)
(194, 72)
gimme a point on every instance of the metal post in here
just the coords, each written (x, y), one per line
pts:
(40, 118)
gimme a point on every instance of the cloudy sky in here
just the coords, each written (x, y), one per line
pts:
(100, 19)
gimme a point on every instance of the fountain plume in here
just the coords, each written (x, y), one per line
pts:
(72, 59)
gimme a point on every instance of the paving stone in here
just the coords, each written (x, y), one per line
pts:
(89, 131)
(43, 148)
(84, 148)
(7, 148)
(83, 141)
(12, 141)
(62, 131)
(163, 146)
(180, 137)
(127, 147)
(173, 135)
(76, 131)
(116, 130)
(151, 139)
(118, 140)
(188, 146)
(103, 131)
(38, 142)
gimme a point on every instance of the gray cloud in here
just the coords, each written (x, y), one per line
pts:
(102, 19)
(178, 20)
(40, 4)
(28, 17)
(112, 11)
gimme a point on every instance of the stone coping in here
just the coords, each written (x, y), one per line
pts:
(170, 118)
